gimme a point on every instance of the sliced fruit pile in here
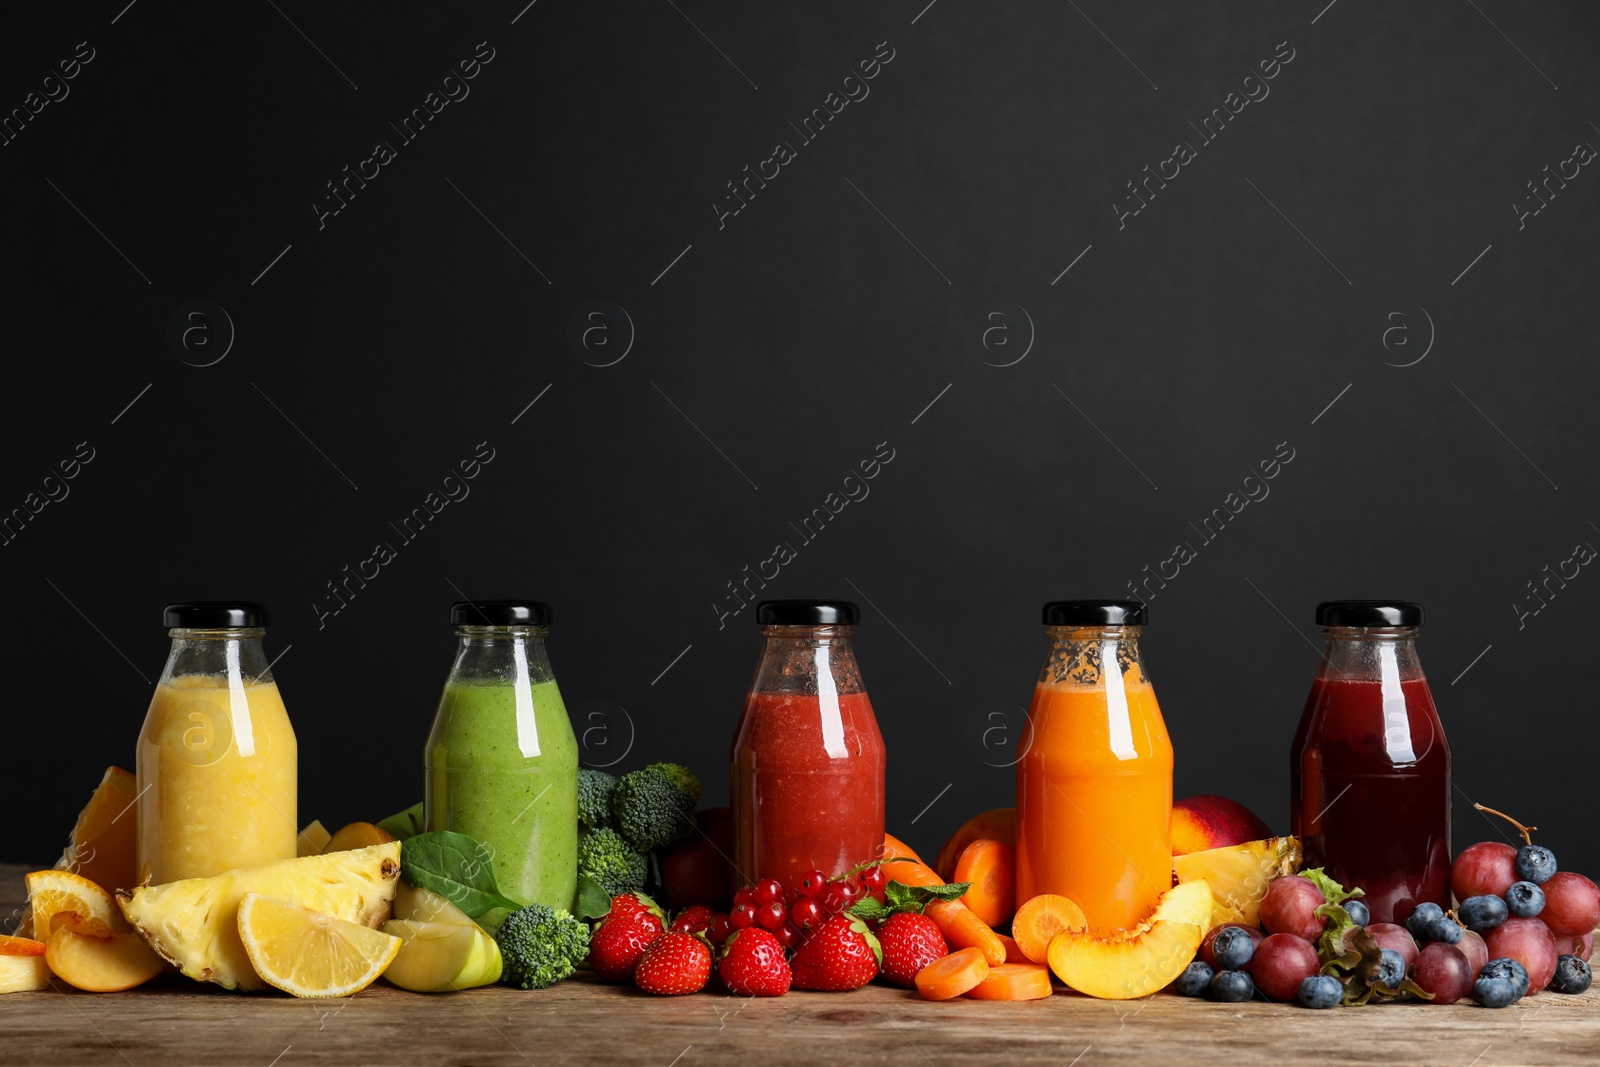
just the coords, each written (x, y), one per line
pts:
(1504, 940)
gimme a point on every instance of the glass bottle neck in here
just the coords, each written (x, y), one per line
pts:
(236, 655)
(501, 655)
(1080, 655)
(1370, 653)
(807, 660)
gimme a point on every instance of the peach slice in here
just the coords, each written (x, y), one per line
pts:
(357, 835)
(96, 964)
(1141, 961)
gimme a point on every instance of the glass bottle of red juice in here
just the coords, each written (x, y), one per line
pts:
(807, 765)
(1369, 774)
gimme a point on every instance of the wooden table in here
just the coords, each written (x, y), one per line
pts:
(175, 1021)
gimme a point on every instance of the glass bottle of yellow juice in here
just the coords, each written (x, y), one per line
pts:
(217, 759)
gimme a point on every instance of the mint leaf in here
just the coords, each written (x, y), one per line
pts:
(949, 891)
(592, 901)
(869, 909)
(457, 867)
(897, 896)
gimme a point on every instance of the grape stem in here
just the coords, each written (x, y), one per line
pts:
(1525, 831)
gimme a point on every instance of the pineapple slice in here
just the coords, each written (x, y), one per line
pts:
(1239, 875)
(193, 923)
(312, 840)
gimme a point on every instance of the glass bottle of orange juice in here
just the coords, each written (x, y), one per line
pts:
(1094, 787)
(217, 758)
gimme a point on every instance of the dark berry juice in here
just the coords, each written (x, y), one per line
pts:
(1370, 784)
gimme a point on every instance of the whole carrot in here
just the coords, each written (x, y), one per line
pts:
(963, 929)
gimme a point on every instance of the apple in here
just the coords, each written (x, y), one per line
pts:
(698, 869)
(1202, 822)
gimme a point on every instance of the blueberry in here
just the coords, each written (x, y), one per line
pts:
(1445, 929)
(1233, 948)
(1390, 971)
(1321, 990)
(1232, 987)
(1509, 969)
(1572, 975)
(1417, 924)
(1358, 912)
(1483, 913)
(1195, 980)
(1524, 900)
(1494, 992)
(1535, 864)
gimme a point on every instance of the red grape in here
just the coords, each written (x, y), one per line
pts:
(1530, 943)
(1281, 962)
(1581, 947)
(1388, 935)
(1489, 867)
(1290, 907)
(1445, 972)
(1571, 904)
(1207, 957)
(1473, 947)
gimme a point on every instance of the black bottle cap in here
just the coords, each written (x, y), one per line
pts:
(500, 613)
(214, 615)
(1095, 613)
(807, 613)
(1369, 613)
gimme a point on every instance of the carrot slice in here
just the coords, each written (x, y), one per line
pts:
(991, 867)
(952, 975)
(1014, 953)
(963, 929)
(1040, 919)
(895, 849)
(1013, 981)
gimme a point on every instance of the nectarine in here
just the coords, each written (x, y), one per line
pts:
(1203, 822)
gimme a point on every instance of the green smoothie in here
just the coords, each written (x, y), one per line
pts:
(502, 767)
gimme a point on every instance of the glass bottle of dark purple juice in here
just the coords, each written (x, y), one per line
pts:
(1369, 773)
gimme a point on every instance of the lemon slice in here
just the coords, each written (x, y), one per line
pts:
(51, 893)
(310, 954)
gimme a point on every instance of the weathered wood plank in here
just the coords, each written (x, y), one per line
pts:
(585, 1022)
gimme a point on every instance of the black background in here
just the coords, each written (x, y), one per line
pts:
(1174, 356)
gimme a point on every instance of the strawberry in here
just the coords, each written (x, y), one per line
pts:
(693, 919)
(753, 964)
(674, 963)
(622, 936)
(839, 954)
(910, 942)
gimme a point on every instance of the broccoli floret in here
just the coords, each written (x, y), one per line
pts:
(604, 856)
(594, 798)
(655, 806)
(541, 945)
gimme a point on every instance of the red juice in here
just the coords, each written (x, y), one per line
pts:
(808, 785)
(1370, 782)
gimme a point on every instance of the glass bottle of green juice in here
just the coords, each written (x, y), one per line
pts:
(501, 759)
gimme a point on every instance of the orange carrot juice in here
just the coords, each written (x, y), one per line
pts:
(1094, 786)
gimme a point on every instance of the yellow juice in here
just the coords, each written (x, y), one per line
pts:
(217, 778)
